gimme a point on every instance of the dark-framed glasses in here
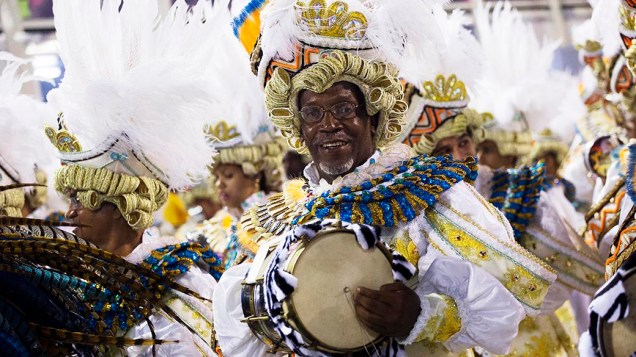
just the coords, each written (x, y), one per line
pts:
(342, 111)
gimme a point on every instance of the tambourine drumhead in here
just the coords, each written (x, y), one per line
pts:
(329, 268)
(619, 338)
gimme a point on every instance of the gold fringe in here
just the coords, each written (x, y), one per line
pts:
(135, 197)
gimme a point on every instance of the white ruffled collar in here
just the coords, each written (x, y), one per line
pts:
(376, 165)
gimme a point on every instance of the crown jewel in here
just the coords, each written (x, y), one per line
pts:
(62, 139)
(333, 21)
(443, 90)
(222, 132)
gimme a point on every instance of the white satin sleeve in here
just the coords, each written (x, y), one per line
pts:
(463, 224)
(234, 337)
(485, 307)
(166, 328)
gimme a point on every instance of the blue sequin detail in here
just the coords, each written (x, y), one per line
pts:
(414, 185)
(516, 193)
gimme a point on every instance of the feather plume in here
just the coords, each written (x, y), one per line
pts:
(456, 51)
(278, 29)
(12, 221)
(80, 338)
(558, 106)
(23, 145)
(86, 294)
(585, 31)
(242, 96)
(606, 20)
(17, 185)
(516, 63)
(396, 29)
(134, 75)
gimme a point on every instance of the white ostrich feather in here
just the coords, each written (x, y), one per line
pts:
(242, 96)
(144, 79)
(606, 20)
(456, 51)
(556, 106)
(396, 29)
(586, 31)
(23, 145)
(516, 64)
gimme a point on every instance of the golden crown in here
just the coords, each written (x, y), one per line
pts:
(628, 18)
(590, 46)
(62, 139)
(334, 20)
(443, 90)
(222, 132)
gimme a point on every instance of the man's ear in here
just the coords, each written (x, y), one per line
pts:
(116, 213)
(374, 123)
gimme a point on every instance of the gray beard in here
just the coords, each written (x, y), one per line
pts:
(336, 170)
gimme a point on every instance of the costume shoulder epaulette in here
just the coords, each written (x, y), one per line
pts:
(273, 217)
(516, 192)
(396, 196)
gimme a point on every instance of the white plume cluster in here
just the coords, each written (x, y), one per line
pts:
(395, 31)
(145, 79)
(23, 145)
(517, 66)
(606, 20)
(454, 51)
(559, 106)
(242, 96)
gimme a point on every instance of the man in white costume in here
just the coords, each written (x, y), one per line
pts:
(332, 89)
(134, 102)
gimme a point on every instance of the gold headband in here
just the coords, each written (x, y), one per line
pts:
(462, 123)
(137, 198)
(253, 159)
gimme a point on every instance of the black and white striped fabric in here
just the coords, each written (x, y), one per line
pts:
(279, 284)
(611, 303)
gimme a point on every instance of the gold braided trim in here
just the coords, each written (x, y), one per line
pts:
(378, 82)
(253, 159)
(11, 202)
(135, 197)
(449, 128)
(511, 143)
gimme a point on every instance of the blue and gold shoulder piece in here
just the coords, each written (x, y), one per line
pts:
(397, 196)
(175, 260)
(515, 192)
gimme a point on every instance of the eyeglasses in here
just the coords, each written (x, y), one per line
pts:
(342, 111)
